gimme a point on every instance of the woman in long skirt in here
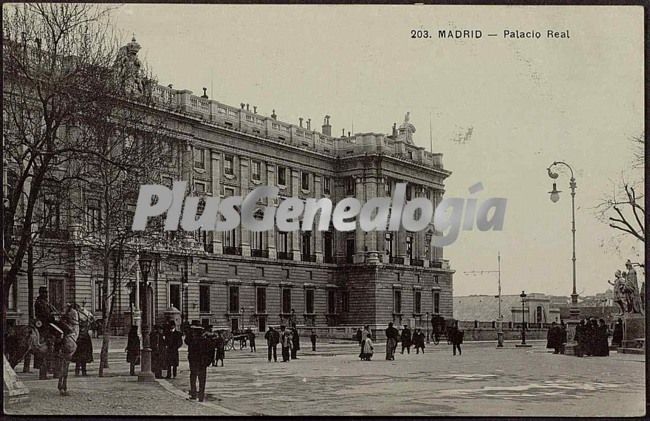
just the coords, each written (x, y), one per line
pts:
(368, 349)
(133, 349)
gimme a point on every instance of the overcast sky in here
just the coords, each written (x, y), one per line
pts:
(524, 102)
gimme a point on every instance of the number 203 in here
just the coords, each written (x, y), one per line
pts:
(419, 33)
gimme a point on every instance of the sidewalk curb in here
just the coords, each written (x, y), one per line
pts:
(224, 411)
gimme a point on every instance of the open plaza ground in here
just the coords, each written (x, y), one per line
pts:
(332, 381)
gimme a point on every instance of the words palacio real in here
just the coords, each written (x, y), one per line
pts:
(505, 33)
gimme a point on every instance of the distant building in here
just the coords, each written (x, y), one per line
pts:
(538, 308)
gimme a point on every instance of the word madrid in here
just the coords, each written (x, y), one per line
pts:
(377, 214)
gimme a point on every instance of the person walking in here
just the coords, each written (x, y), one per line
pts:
(418, 340)
(313, 337)
(392, 336)
(173, 342)
(133, 349)
(272, 340)
(197, 356)
(617, 335)
(364, 335)
(219, 350)
(157, 343)
(358, 336)
(456, 336)
(406, 339)
(285, 340)
(251, 339)
(295, 343)
(84, 353)
(368, 349)
(44, 313)
(66, 345)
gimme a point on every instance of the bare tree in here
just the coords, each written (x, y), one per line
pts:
(56, 58)
(623, 209)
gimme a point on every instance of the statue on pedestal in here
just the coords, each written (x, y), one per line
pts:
(632, 294)
(619, 291)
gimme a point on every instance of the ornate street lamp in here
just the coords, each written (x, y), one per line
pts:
(523, 318)
(555, 196)
(145, 374)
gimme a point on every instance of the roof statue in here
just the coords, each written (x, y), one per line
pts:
(406, 130)
(129, 69)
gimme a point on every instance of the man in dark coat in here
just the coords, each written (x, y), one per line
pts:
(617, 335)
(313, 337)
(157, 343)
(456, 337)
(272, 343)
(173, 341)
(553, 338)
(198, 350)
(392, 335)
(580, 338)
(406, 339)
(44, 313)
(295, 341)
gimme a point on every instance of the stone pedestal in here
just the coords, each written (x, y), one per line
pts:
(13, 390)
(634, 330)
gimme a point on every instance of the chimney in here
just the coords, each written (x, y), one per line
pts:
(255, 109)
(309, 124)
(300, 120)
(242, 105)
(327, 129)
(273, 116)
(205, 94)
(247, 107)
(342, 132)
(349, 133)
(394, 129)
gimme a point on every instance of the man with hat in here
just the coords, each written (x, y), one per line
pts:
(197, 355)
(44, 313)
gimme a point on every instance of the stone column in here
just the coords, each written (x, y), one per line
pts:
(270, 235)
(339, 238)
(215, 161)
(359, 242)
(317, 235)
(420, 235)
(244, 180)
(372, 255)
(295, 235)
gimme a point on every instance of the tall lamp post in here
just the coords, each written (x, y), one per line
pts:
(145, 374)
(523, 318)
(555, 196)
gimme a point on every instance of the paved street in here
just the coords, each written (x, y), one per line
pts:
(332, 381)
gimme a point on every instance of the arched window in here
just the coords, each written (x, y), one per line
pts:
(540, 314)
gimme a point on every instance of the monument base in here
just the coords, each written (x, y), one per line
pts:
(634, 330)
(13, 390)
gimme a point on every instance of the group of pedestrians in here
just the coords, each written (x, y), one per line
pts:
(556, 338)
(164, 343)
(288, 339)
(592, 337)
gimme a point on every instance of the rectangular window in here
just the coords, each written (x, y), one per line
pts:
(94, 216)
(388, 244)
(258, 240)
(286, 300)
(175, 295)
(331, 301)
(203, 268)
(388, 186)
(309, 301)
(199, 187)
(56, 293)
(436, 303)
(350, 186)
(409, 246)
(13, 298)
(233, 299)
(52, 213)
(327, 185)
(283, 242)
(282, 176)
(204, 298)
(306, 245)
(417, 302)
(230, 238)
(409, 192)
(350, 250)
(199, 158)
(261, 300)
(397, 301)
(256, 170)
(304, 181)
(327, 248)
(99, 302)
(345, 300)
(228, 165)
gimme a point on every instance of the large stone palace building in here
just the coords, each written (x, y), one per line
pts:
(255, 279)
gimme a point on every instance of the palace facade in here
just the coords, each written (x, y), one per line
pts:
(255, 279)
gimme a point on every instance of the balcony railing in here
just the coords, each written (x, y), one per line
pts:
(396, 260)
(308, 257)
(259, 253)
(232, 250)
(417, 262)
(285, 255)
(435, 264)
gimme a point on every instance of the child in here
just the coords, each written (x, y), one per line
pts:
(220, 350)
